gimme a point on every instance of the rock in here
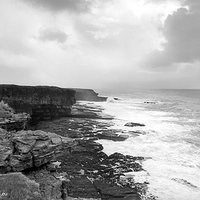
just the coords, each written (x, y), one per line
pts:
(108, 191)
(111, 136)
(74, 128)
(184, 182)
(86, 146)
(150, 102)
(27, 149)
(16, 186)
(137, 133)
(132, 124)
(81, 187)
(33, 149)
(124, 163)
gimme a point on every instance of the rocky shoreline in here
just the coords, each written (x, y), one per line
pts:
(61, 159)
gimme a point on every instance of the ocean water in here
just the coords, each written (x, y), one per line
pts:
(170, 140)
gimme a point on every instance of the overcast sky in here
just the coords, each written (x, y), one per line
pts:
(103, 44)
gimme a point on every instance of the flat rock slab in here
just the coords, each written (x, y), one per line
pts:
(81, 187)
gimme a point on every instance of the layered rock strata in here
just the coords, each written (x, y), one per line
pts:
(28, 149)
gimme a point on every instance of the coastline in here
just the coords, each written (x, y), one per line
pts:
(60, 153)
(66, 160)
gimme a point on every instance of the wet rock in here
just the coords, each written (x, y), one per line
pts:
(87, 129)
(184, 182)
(96, 163)
(85, 146)
(108, 191)
(125, 163)
(132, 124)
(16, 186)
(137, 133)
(81, 187)
(109, 135)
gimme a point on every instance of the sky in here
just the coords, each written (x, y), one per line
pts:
(101, 44)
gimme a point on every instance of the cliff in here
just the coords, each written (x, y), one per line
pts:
(88, 95)
(41, 102)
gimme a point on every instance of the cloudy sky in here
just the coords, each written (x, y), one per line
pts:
(103, 44)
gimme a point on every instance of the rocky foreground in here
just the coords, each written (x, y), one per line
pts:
(61, 159)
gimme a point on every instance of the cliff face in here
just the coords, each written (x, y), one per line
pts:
(88, 95)
(41, 102)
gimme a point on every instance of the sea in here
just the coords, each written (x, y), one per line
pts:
(169, 141)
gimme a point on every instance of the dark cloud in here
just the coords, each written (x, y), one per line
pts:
(52, 35)
(61, 5)
(181, 30)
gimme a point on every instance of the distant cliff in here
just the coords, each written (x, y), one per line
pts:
(41, 102)
(88, 95)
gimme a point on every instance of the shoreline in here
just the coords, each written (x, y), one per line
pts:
(81, 169)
